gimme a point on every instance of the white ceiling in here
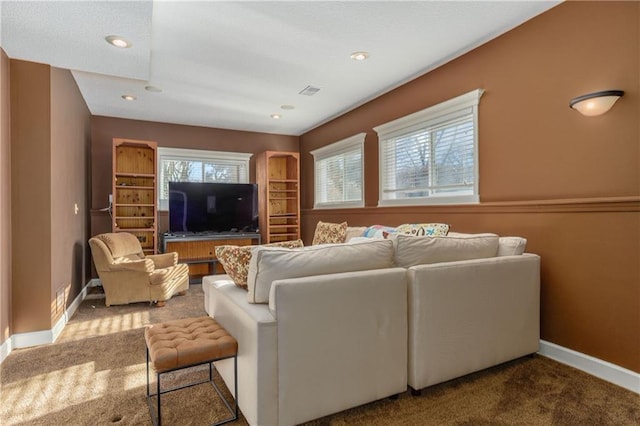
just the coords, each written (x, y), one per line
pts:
(233, 64)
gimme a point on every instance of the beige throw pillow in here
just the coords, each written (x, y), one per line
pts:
(354, 232)
(511, 246)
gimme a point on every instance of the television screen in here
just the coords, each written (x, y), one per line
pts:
(196, 207)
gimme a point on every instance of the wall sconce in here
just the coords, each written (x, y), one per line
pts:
(596, 103)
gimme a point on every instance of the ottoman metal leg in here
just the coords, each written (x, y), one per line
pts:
(156, 417)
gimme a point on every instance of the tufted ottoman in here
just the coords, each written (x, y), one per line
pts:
(178, 344)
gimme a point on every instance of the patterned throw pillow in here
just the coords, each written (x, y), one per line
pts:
(424, 229)
(329, 233)
(378, 231)
(235, 259)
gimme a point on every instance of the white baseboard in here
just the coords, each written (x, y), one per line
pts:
(5, 349)
(596, 367)
(36, 338)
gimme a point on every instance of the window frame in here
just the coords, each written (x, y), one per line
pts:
(197, 155)
(352, 143)
(427, 118)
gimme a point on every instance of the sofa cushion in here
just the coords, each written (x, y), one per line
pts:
(511, 246)
(424, 229)
(272, 263)
(507, 246)
(164, 275)
(412, 250)
(130, 258)
(235, 259)
(329, 233)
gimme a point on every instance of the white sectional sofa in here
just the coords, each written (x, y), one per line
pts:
(332, 336)
(473, 302)
(347, 324)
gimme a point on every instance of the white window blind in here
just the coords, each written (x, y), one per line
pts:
(189, 165)
(339, 173)
(430, 157)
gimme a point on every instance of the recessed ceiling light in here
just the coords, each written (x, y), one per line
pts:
(276, 116)
(360, 56)
(288, 107)
(128, 97)
(118, 41)
(153, 89)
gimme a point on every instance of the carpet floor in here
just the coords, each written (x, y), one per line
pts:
(94, 374)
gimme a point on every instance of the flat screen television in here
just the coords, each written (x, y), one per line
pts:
(197, 207)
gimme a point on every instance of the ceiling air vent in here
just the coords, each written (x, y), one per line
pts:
(309, 91)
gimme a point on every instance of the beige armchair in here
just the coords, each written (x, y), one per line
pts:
(129, 276)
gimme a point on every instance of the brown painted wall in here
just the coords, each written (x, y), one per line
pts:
(50, 130)
(70, 185)
(30, 196)
(5, 200)
(568, 183)
(104, 129)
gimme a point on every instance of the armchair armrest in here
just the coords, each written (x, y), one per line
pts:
(142, 265)
(163, 260)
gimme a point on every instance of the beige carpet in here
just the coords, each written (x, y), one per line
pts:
(95, 375)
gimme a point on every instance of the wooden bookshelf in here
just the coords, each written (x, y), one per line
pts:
(278, 178)
(134, 191)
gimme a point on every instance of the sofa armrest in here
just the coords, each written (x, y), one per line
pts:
(163, 260)
(254, 328)
(142, 265)
(342, 341)
(468, 315)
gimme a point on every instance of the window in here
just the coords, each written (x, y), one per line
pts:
(339, 173)
(191, 165)
(431, 156)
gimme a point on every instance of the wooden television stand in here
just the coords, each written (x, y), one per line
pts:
(199, 250)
